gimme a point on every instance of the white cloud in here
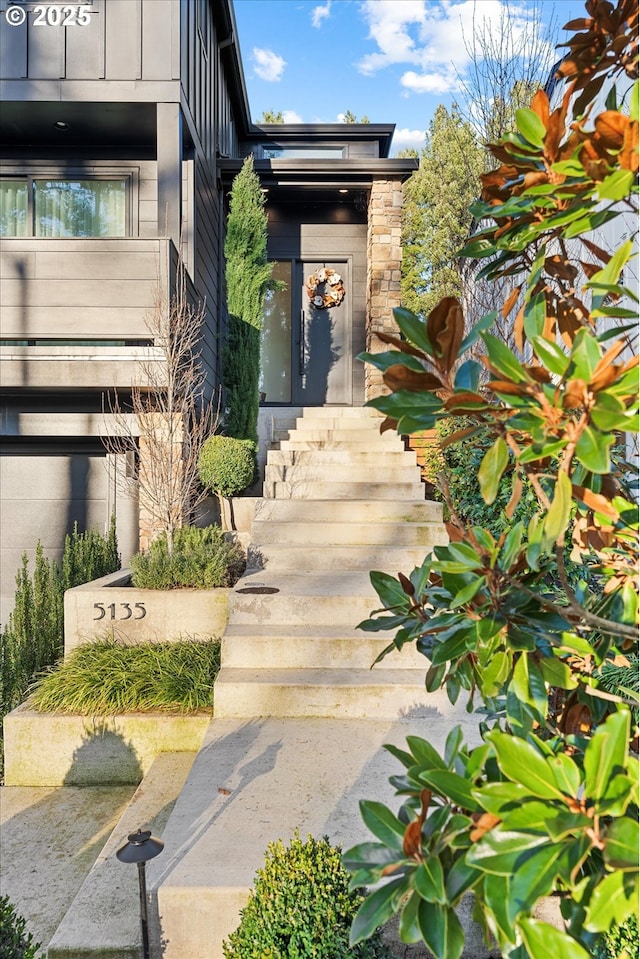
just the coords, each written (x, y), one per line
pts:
(435, 37)
(290, 116)
(429, 82)
(268, 65)
(404, 138)
(320, 13)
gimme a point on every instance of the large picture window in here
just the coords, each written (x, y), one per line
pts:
(44, 207)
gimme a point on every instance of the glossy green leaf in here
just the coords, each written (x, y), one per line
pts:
(497, 797)
(408, 929)
(441, 930)
(534, 879)
(425, 754)
(616, 186)
(544, 941)
(450, 785)
(557, 518)
(496, 894)
(414, 329)
(376, 909)
(429, 880)
(554, 358)
(522, 763)
(503, 359)
(468, 375)
(566, 773)
(493, 465)
(606, 752)
(382, 361)
(557, 673)
(503, 851)
(460, 878)
(592, 450)
(529, 686)
(389, 589)
(622, 844)
(467, 593)
(531, 126)
(382, 823)
(612, 901)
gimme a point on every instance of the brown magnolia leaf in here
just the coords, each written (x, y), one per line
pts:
(575, 395)
(628, 157)
(595, 501)
(539, 373)
(391, 868)
(482, 825)
(510, 302)
(604, 378)
(412, 841)
(457, 436)
(388, 424)
(610, 129)
(509, 387)
(407, 585)
(445, 329)
(540, 106)
(518, 329)
(454, 402)
(401, 345)
(400, 377)
(596, 250)
(516, 493)
(576, 720)
(560, 266)
(590, 269)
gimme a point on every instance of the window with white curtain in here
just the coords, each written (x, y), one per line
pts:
(63, 207)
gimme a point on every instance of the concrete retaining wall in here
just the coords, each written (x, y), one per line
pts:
(109, 607)
(45, 749)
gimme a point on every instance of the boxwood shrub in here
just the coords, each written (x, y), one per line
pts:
(301, 908)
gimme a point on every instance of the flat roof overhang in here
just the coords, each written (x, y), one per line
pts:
(356, 174)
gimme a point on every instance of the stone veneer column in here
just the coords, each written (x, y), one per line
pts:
(384, 257)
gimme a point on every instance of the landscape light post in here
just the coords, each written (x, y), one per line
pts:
(140, 848)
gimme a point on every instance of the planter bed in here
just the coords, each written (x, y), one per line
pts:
(111, 607)
(54, 749)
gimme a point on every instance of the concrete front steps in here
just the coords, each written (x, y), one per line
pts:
(340, 500)
(300, 717)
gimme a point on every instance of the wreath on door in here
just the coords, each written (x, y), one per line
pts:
(325, 288)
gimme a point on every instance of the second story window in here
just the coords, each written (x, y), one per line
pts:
(63, 207)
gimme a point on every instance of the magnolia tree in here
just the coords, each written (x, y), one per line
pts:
(529, 622)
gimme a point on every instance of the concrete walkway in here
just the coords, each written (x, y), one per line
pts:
(49, 840)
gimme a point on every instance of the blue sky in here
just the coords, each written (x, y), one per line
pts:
(391, 60)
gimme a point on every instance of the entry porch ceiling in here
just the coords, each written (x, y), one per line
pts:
(321, 174)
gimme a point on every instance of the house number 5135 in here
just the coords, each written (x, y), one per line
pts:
(124, 610)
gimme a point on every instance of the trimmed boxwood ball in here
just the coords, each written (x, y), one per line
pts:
(301, 907)
(227, 465)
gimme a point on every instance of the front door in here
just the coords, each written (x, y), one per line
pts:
(306, 349)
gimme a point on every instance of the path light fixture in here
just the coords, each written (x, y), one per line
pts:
(140, 847)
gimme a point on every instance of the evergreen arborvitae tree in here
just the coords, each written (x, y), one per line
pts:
(248, 276)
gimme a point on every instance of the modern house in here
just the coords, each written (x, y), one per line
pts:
(123, 123)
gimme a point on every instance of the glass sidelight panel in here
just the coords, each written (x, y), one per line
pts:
(275, 380)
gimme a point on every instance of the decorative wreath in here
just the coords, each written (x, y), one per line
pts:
(325, 288)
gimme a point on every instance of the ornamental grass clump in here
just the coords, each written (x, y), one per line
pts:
(301, 908)
(201, 559)
(105, 678)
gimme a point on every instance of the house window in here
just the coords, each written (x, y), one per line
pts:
(63, 207)
(14, 208)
